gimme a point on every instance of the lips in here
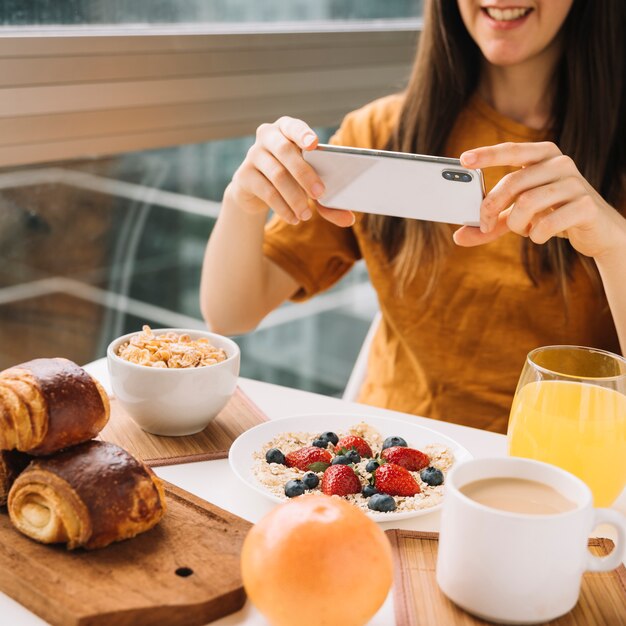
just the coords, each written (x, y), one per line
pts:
(508, 14)
(505, 18)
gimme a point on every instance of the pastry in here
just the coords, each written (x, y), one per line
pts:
(47, 405)
(87, 496)
(11, 464)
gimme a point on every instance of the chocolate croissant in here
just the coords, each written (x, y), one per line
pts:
(47, 405)
(88, 496)
(11, 464)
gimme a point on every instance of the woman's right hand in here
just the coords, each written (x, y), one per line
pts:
(275, 175)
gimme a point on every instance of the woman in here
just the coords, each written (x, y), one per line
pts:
(535, 94)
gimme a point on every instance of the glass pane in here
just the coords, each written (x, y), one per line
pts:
(33, 12)
(93, 249)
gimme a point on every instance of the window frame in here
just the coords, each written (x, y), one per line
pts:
(79, 91)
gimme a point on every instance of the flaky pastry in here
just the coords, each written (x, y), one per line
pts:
(47, 405)
(88, 496)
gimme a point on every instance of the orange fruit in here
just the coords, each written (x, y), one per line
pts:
(316, 561)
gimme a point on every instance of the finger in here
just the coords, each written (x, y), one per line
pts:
(339, 217)
(469, 236)
(298, 131)
(278, 175)
(510, 153)
(262, 188)
(287, 153)
(556, 224)
(512, 185)
(533, 202)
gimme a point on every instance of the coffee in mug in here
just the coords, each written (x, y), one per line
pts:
(513, 539)
(517, 495)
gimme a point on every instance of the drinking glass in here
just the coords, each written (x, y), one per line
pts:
(570, 410)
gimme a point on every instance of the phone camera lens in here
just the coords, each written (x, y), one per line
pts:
(457, 176)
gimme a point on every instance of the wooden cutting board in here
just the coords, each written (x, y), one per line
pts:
(239, 415)
(183, 572)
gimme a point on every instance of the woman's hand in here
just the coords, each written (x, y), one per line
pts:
(547, 198)
(274, 175)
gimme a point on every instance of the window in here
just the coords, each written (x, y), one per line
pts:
(46, 12)
(116, 145)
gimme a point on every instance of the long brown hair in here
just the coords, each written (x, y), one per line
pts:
(588, 124)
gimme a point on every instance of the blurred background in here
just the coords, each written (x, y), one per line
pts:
(120, 126)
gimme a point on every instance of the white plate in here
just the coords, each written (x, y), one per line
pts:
(241, 452)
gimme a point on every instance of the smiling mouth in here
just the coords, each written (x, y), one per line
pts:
(508, 14)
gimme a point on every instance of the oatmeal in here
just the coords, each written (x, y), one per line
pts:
(406, 470)
(169, 350)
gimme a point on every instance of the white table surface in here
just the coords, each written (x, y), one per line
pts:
(213, 480)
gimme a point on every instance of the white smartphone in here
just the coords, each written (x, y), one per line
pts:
(436, 189)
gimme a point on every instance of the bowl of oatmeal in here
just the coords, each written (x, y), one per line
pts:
(173, 381)
(298, 456)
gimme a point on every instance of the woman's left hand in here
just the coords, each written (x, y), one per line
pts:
(547, 198)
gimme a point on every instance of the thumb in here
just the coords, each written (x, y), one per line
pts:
(469, 236)
(339, 217)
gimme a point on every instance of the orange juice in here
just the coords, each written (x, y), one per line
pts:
(578, 426)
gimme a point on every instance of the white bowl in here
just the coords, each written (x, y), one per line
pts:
(174, 402)
(243, 449)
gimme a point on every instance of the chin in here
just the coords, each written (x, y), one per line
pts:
(504, 54)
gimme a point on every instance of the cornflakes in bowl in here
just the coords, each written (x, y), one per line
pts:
(170, 350)
(173, 381)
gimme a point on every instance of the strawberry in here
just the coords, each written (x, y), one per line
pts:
(409, 458)
(304, 457)
(395, 480)
(340, 480)
(358, 443)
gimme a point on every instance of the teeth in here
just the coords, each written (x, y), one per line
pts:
(506, 15)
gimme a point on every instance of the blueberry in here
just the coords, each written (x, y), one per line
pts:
(353, 455)
(330, 436)
(432, 476)
(368, 491)
(382, 502)
(372, 466)
(310, 480)
(392, 442)
(274, 455)
(294, 488)
(341, 460)
(320, 443)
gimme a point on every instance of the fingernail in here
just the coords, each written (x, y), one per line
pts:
(317, 189)
(308, 140)
(483, 227)
(294, 221)
(306, 215)
(469, 158)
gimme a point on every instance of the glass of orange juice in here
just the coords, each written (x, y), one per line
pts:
(570, 410)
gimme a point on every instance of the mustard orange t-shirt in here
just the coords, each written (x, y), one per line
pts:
(455, 355)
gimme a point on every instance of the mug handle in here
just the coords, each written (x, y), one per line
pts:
(614, 559)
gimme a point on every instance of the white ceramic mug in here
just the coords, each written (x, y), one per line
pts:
(515, 568)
